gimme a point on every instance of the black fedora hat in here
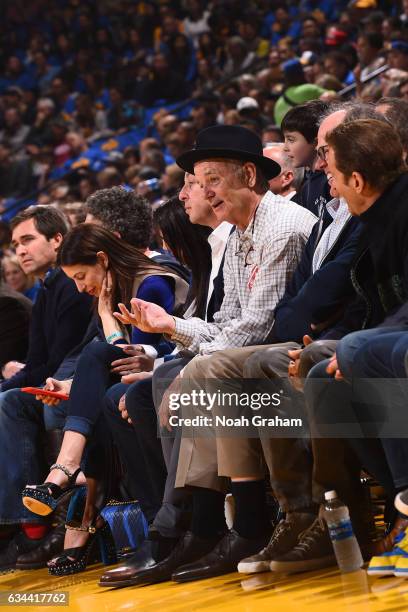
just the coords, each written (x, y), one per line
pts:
(230, 142)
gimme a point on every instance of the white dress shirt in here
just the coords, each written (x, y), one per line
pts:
(338, 210)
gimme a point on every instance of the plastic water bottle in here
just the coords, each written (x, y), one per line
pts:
(346, 548)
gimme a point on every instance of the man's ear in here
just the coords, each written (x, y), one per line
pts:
(57, 240)
(357, 182)
(287, 178)
(103, 259)
(250, 174)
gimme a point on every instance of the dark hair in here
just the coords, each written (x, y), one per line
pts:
(83, 242)
(5, 234)
(188, 243)
(48, 221)
(370, 147)
(271, 127)
(397, 114)
(124, 212)
(339, 57)
(305, 119)
(374, 39)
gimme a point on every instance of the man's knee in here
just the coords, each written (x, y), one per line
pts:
(268, 363)
(201, 366)
(348, 347)
(139, 395)
(16, 404)
(315, 353)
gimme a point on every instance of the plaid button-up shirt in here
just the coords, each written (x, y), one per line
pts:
(259, 263)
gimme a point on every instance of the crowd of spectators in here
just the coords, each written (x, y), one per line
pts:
(78, 76)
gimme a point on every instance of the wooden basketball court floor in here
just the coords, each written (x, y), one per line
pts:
(323, 591)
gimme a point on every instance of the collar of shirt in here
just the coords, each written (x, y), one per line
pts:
(50, 277)
(219, 236)
(256, 227)
(338, 210)
(290, 195)
(336, 207)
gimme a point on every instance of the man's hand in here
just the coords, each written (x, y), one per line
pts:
(137, 361)
(128, 379)
(333, 368)
(147, 317)
(293, 368)
(11, 368)
(52, 384)
(122, 409)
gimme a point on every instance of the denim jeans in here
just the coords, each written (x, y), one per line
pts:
(91, 381)
(138, 445)
(341, 402)
(383, 357)
(22, 424)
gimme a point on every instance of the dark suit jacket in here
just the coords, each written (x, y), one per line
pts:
(60, 319)
(15, 313)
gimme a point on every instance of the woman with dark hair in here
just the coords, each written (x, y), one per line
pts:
(111, 270)
(188, 243)
(129, 408)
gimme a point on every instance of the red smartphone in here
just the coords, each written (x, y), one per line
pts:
(45, 393)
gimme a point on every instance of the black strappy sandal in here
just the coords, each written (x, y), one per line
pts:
(74, 560)
(43, 499)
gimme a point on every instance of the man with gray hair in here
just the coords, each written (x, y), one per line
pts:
(288, 182)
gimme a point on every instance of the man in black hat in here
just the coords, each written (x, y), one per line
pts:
(260, 258)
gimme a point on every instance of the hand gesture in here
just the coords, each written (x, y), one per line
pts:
(146, 316)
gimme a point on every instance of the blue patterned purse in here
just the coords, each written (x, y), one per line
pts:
(127, 524)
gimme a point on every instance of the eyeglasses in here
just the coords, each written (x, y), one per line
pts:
(322, 152)
(249, 255)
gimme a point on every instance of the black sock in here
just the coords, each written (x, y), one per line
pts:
(208, 518)
(251, 519)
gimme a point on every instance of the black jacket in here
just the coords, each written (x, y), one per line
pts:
(60, 318)
(15, 312)
(315, 298)
(314, 193)
(379, 272)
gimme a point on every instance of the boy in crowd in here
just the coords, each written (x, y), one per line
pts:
(300, 126)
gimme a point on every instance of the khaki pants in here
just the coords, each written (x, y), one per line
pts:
(206, 461)
(292, 465)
